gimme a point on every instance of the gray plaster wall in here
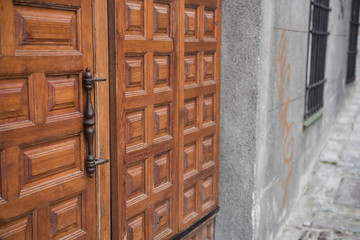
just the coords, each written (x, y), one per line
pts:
(258, 185)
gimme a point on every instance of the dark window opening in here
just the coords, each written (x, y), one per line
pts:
(354, 26)
(318, 32)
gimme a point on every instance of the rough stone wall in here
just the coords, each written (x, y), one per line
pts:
(264, 153)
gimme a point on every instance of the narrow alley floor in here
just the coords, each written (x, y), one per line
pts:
(329, 208)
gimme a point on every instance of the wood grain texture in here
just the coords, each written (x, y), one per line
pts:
(164, 104)
(45, 191)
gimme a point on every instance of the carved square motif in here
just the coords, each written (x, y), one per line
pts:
(66, 218)
(162, 218)
(135, 180)
(40, 163)
(161, 71)
(191, 23)
(162, 169)
(208, 109)
(161, 20)
(21, 228)
(135, 128)
(209, 23)
(46, 29)
(134, 17)
(191, 69)
(190, 158)
(207, 231)
(136, 228)
(207, 193)
(14, 100)
(134, 73)
(209, 68)
(162, 126)
(190, 114)
(189, 209)
(62, 94)
(208, 150)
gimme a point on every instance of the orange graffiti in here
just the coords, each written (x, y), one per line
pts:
(282, 84)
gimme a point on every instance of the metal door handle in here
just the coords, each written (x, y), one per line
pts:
(91, 161)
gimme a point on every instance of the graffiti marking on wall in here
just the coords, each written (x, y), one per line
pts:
(287, 141)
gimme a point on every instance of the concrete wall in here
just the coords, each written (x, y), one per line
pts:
(265, 150)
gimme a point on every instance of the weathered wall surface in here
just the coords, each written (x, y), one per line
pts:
(289, 149)
(240, 69)
(265, 152)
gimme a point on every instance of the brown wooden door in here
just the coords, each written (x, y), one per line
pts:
(164, 89)
(45, 47)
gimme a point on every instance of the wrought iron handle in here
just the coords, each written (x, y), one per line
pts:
(91, 161)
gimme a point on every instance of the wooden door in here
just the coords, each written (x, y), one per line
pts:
(45, 192)
(164, 95)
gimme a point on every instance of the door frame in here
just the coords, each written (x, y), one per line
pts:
(102, 130)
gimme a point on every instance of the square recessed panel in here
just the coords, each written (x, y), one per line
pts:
(135, 180)
(162, 123)
(162, 218)
(161, 71)
(208, 109)
(41, 163)
(190, 156)
(21, 228)
(135, 128)
(161, 20)
(46, 29)
(14, 100)
(189, 204)
(162, 168)
(190, 113)
(191, 69)
(66, 218)
(207, 193)
(207, 151)
(136, 227)
(209, 23)
(191, 23)
(209, 68)
(134, 73)
(134, 18)
(62, 94)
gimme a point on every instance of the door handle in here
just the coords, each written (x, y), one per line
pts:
(91, 161)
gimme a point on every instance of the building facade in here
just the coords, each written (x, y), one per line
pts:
(273, 54)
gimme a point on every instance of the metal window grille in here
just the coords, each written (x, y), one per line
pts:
(319, 15)
(354, 25)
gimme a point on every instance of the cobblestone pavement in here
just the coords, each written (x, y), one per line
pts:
(330, 206)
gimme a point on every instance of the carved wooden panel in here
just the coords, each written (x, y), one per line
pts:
(162, 226)
(134, 17)
(190, 208)
(191, 23)
(200, 101)
(66, 218)
(21, 228)
(136, 228)
(161, 20)
(162, 171)
(191, 72)
(204, 232)
(15, 100)
(165, 96)
(45, 193)
(135, 181)
(43, 28)
(190, 160)
(161, 72)
(63, 95)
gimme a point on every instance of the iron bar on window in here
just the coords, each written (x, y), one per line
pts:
(354, 28)
(317, 56)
